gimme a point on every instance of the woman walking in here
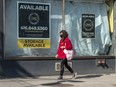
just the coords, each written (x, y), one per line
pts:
(64, 43)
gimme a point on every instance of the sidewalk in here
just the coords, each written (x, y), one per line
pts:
(51, 81)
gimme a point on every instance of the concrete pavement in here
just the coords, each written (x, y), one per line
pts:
(51, 81)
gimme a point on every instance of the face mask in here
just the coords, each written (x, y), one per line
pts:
(61, 36)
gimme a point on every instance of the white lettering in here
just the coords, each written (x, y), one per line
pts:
(34, 28)
(32, 7)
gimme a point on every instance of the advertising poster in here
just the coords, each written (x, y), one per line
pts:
(88, 25)
(33, 26)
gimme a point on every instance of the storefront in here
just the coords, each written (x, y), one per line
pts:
(31, 34)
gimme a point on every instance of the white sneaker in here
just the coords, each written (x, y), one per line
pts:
(60, 77)
(74, 76)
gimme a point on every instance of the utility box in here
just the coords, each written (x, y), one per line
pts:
(57, 66)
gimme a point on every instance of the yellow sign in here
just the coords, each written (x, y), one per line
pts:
(111, 15)
(34, 43)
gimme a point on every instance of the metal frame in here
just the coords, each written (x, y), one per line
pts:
(3, 28)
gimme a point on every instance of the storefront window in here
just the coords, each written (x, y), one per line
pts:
(86, 23)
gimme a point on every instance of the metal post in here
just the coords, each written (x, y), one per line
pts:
(63, 14)
(114, 35)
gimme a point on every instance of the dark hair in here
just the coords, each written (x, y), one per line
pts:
(64, 32)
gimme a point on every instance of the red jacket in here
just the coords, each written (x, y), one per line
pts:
(66, 44)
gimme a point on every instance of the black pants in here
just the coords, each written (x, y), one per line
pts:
(65, 62)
